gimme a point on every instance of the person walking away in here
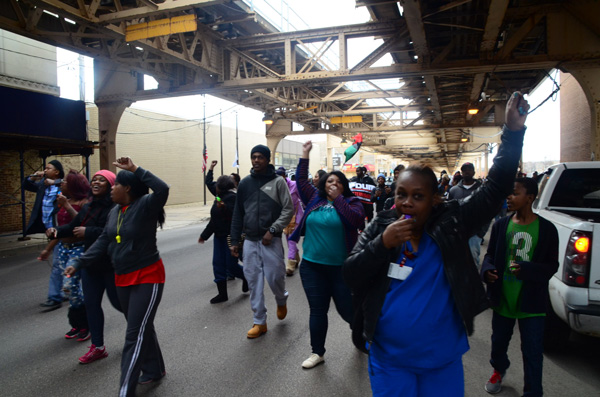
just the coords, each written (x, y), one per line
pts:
(293, 258)
(521, 258)
(262, 210)
(46, 185)
(100, 276)
(330, 228)
(220, 225)
(416, 286)
(139, 272)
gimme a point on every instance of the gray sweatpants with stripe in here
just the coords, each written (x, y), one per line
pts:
(141, 352)
(264, 262)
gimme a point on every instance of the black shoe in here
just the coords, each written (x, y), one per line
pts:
(145, 379)
(245, 285)
(72, 334)
(51, 305)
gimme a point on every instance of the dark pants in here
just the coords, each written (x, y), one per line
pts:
(141, 352)
(532, 336)
(223, 262)
(321, 283)
(94, 284)
(368, 211)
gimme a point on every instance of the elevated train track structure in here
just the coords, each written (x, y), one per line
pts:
(447, 57)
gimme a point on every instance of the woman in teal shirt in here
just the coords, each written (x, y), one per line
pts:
(330, 226)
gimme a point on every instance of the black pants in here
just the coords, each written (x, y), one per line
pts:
(94, 283)
(141, 352)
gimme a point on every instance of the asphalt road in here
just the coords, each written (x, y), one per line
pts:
(205, 346)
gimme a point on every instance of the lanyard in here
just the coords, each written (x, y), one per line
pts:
(120, 222)
(406, 254)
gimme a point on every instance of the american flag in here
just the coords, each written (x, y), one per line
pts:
(204, 158)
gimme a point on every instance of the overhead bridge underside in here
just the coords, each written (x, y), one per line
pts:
(445, 57)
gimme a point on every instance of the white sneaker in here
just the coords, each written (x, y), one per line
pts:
(313, 361)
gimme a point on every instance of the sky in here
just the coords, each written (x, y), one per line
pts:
(541, 140)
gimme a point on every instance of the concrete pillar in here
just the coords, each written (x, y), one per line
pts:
(113, 86)
(276, 132)
(580, 119)
(109, 115)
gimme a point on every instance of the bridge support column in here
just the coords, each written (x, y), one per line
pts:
(112, 83)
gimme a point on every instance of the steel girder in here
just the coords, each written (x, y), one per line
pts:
(448, 57)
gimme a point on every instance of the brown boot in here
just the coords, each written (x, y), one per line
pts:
(292, 264)
(257, 330)
(281, 312)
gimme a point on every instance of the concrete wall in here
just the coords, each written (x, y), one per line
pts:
(575, 121)
(27, 64)
(172, 149)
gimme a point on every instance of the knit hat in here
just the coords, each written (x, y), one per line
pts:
(59, 167)
(262, 149)
(108, 175)
(382, 175)
(280, 171)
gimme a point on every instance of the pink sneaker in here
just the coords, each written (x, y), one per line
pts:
(93, 355)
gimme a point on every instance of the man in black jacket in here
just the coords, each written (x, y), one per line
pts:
(262, 210)
(463, 189)
(522, 256)
(46, 185)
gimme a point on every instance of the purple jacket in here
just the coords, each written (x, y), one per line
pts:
(298, 206)
(350, 209)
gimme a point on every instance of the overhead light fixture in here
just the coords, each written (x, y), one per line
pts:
(268, 119)
(464, 139)
(343, 142)
(473, 111)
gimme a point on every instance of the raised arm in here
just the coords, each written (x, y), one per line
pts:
(487, 200)
(305, 188)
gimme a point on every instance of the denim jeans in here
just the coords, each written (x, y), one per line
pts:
(224, 263)
(322, 283)
(532, 336)
(57, 277)
(475, 247)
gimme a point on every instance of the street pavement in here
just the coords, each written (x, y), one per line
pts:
(205, 346)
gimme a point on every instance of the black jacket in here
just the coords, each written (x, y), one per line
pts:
(450, 225)
(36, 225)
(263, 201)
(535, 273)
(93, 216)
(220, 218)
(137, 230)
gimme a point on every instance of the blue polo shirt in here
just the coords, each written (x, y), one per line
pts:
(419, 325)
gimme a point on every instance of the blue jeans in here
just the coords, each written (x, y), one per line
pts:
(532, 336)
(223, 262)
(55, 285)
(322, 283)
(475, 247)
(94, 283)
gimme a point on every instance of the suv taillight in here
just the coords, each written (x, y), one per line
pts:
(577, 259)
